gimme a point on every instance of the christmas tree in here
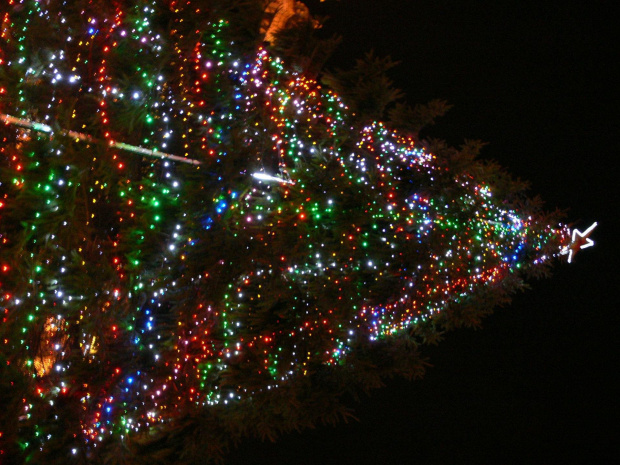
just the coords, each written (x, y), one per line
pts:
(201, 241)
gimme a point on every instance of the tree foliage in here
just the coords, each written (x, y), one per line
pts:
(298, 253)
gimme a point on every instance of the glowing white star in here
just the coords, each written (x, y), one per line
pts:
(580, 240)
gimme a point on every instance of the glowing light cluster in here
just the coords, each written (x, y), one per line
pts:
(145, 289)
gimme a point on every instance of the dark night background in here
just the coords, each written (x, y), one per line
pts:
(539, 383)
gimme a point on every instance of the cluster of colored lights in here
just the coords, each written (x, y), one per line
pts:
(295, 237)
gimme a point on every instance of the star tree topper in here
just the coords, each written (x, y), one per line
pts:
(579, 240)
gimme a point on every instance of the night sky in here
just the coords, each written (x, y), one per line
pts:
(539, 383)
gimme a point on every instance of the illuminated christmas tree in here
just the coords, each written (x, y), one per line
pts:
(199, 241)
